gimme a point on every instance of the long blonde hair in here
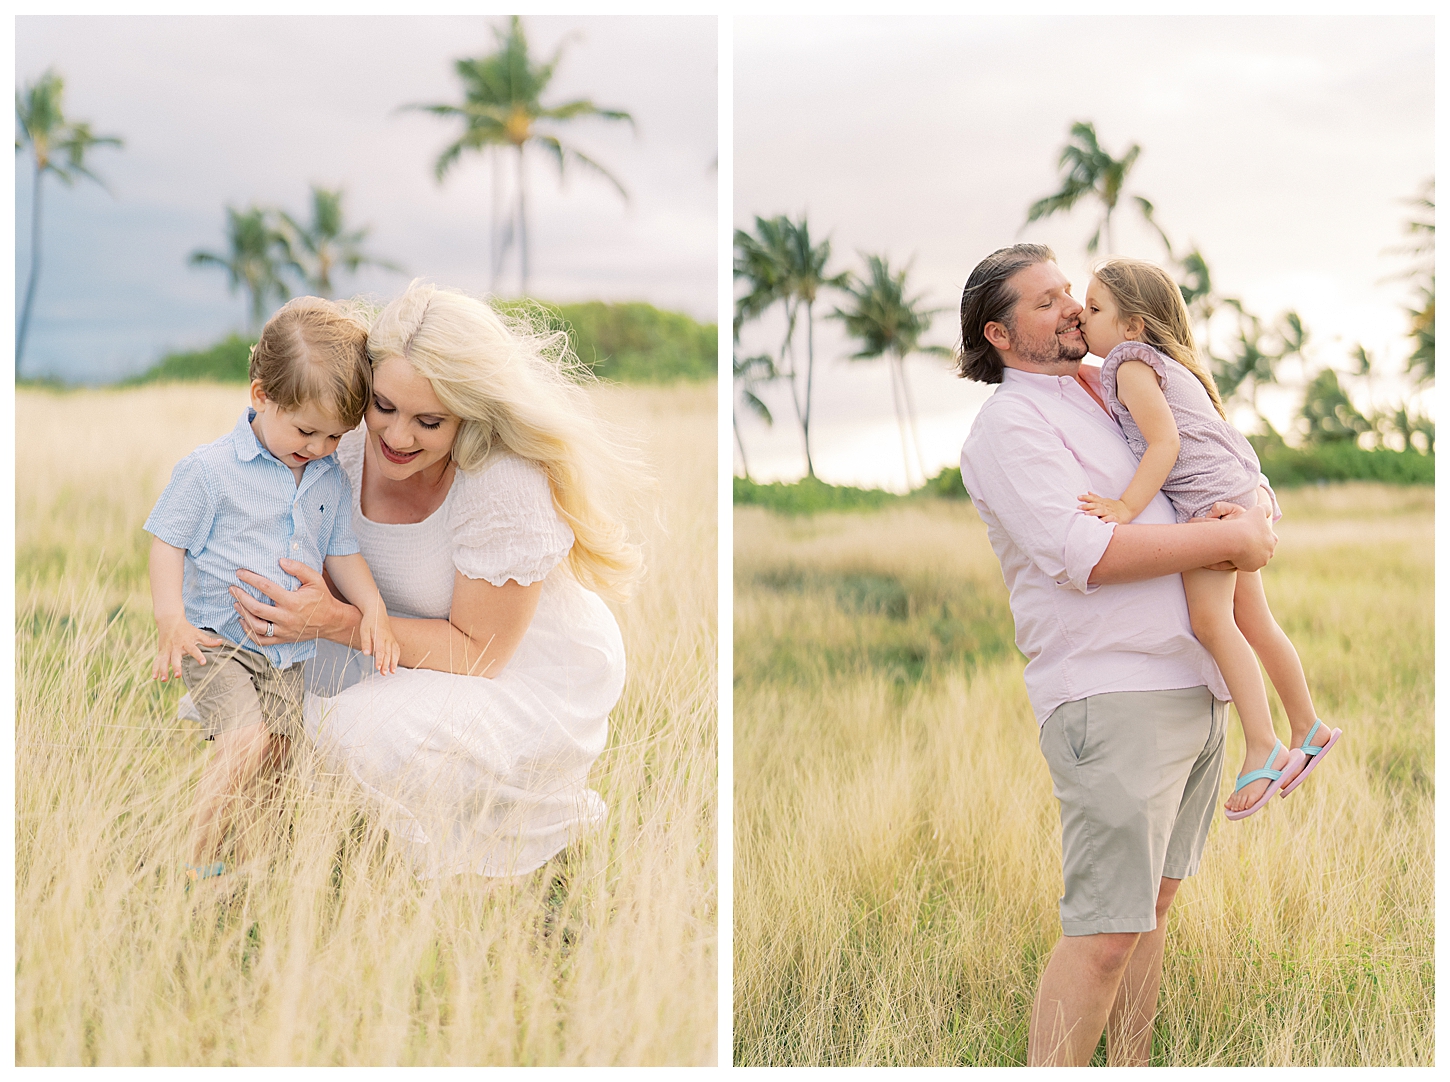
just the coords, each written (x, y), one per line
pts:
(514, 386)
(1145, 290)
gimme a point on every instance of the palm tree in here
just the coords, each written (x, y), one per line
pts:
(1256, 354)
(1420, 365)
(890, 324)
(58, 146)
(502, 107)
(780, 264)
(750, 373)
(1088, 169)
(257, 253)
(323, 244)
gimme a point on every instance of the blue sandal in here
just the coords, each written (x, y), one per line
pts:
(1275, 780)
(195, 873)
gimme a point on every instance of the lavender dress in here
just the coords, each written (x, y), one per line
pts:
(1215, 462)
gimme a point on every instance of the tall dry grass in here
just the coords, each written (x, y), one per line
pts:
(330, 951)
(897, 844)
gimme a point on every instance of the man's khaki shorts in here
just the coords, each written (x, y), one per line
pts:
(237, 688)
(1137, 776)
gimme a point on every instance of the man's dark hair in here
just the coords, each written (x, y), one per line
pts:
(987, 298)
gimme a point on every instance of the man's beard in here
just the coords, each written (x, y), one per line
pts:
(1053, 351)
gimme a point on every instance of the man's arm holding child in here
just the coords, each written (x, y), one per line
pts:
(353, 578)
(175, 634)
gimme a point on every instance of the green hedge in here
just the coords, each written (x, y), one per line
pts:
(627, 343)
(225, 362)
(639, 343)
(1286, 467)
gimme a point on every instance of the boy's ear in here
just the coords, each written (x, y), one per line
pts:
(258, 396)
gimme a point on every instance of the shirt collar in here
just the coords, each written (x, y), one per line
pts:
(244, 440)
(248, 447)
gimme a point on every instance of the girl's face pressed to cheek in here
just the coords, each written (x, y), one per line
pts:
(408, 428)
(1100, 326)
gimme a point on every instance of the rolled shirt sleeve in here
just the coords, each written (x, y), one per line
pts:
(1031, 482)
(185, 510)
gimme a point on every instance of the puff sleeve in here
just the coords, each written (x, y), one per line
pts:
(505, 525)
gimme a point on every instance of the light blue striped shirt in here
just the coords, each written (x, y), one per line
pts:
(232, 505)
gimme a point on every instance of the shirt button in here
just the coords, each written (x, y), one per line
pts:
(294, 546)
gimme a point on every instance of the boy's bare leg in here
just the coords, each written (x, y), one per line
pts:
(1074, 996)
(1281, 660)
(239, 757)
(1130, 1024)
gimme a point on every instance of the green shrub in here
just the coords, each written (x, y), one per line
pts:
(810, 495)
(626, 343)
(225, 362)
(1343, 460)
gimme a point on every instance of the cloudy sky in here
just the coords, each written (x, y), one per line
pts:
(242, 110)
(1282, 147)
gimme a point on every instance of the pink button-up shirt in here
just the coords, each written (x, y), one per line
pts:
(1038, 443)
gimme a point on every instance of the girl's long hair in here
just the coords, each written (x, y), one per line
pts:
(518, 388)
(1145, 290)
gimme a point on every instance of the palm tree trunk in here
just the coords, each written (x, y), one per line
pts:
(34, 270)
(495, 256)
(810, 379)
(788, 349)
(911, 418)
(523, 232)
(745, 464)
(1108, 231)
(900, 422)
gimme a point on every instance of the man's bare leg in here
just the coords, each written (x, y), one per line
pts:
(1074, 996)
(1130, 1024)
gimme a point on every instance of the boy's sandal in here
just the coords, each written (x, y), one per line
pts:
(1314, 752)
(195, 873)
(1275, 780)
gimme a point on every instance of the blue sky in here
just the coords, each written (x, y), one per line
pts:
(1283, 147)
(219, 110)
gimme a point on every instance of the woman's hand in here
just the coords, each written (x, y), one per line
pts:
(308, 612)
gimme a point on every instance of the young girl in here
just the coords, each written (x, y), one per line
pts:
(268, 489)
(1165, 399)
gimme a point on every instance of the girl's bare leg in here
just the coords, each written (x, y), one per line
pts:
(1281, 660)
(1211, 609)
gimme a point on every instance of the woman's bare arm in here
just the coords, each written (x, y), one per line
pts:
(485, 625)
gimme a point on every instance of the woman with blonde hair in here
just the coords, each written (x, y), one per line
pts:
(488, 499)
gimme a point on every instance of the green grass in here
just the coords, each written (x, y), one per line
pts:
(896, 839)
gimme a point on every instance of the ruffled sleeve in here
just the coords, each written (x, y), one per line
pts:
(505, 525)
(1131, 351)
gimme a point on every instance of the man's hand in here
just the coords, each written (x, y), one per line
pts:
(1258, 539)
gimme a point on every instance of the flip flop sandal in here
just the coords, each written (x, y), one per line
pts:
(1314, 752)
(195, 873)
(1275, 780)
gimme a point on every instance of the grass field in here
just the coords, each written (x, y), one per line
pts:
(897, 844)
(334, 953)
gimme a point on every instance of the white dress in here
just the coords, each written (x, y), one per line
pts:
(471, 773)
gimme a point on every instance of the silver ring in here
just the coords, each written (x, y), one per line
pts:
(270, 629)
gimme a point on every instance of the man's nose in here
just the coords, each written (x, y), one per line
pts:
(1073, 309)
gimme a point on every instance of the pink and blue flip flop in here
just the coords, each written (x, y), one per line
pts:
(1275, 779)
(1314, 752)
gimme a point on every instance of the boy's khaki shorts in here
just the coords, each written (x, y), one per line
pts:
(237, 688)
(1137, 776)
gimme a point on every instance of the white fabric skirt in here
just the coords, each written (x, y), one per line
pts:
(471, 774)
